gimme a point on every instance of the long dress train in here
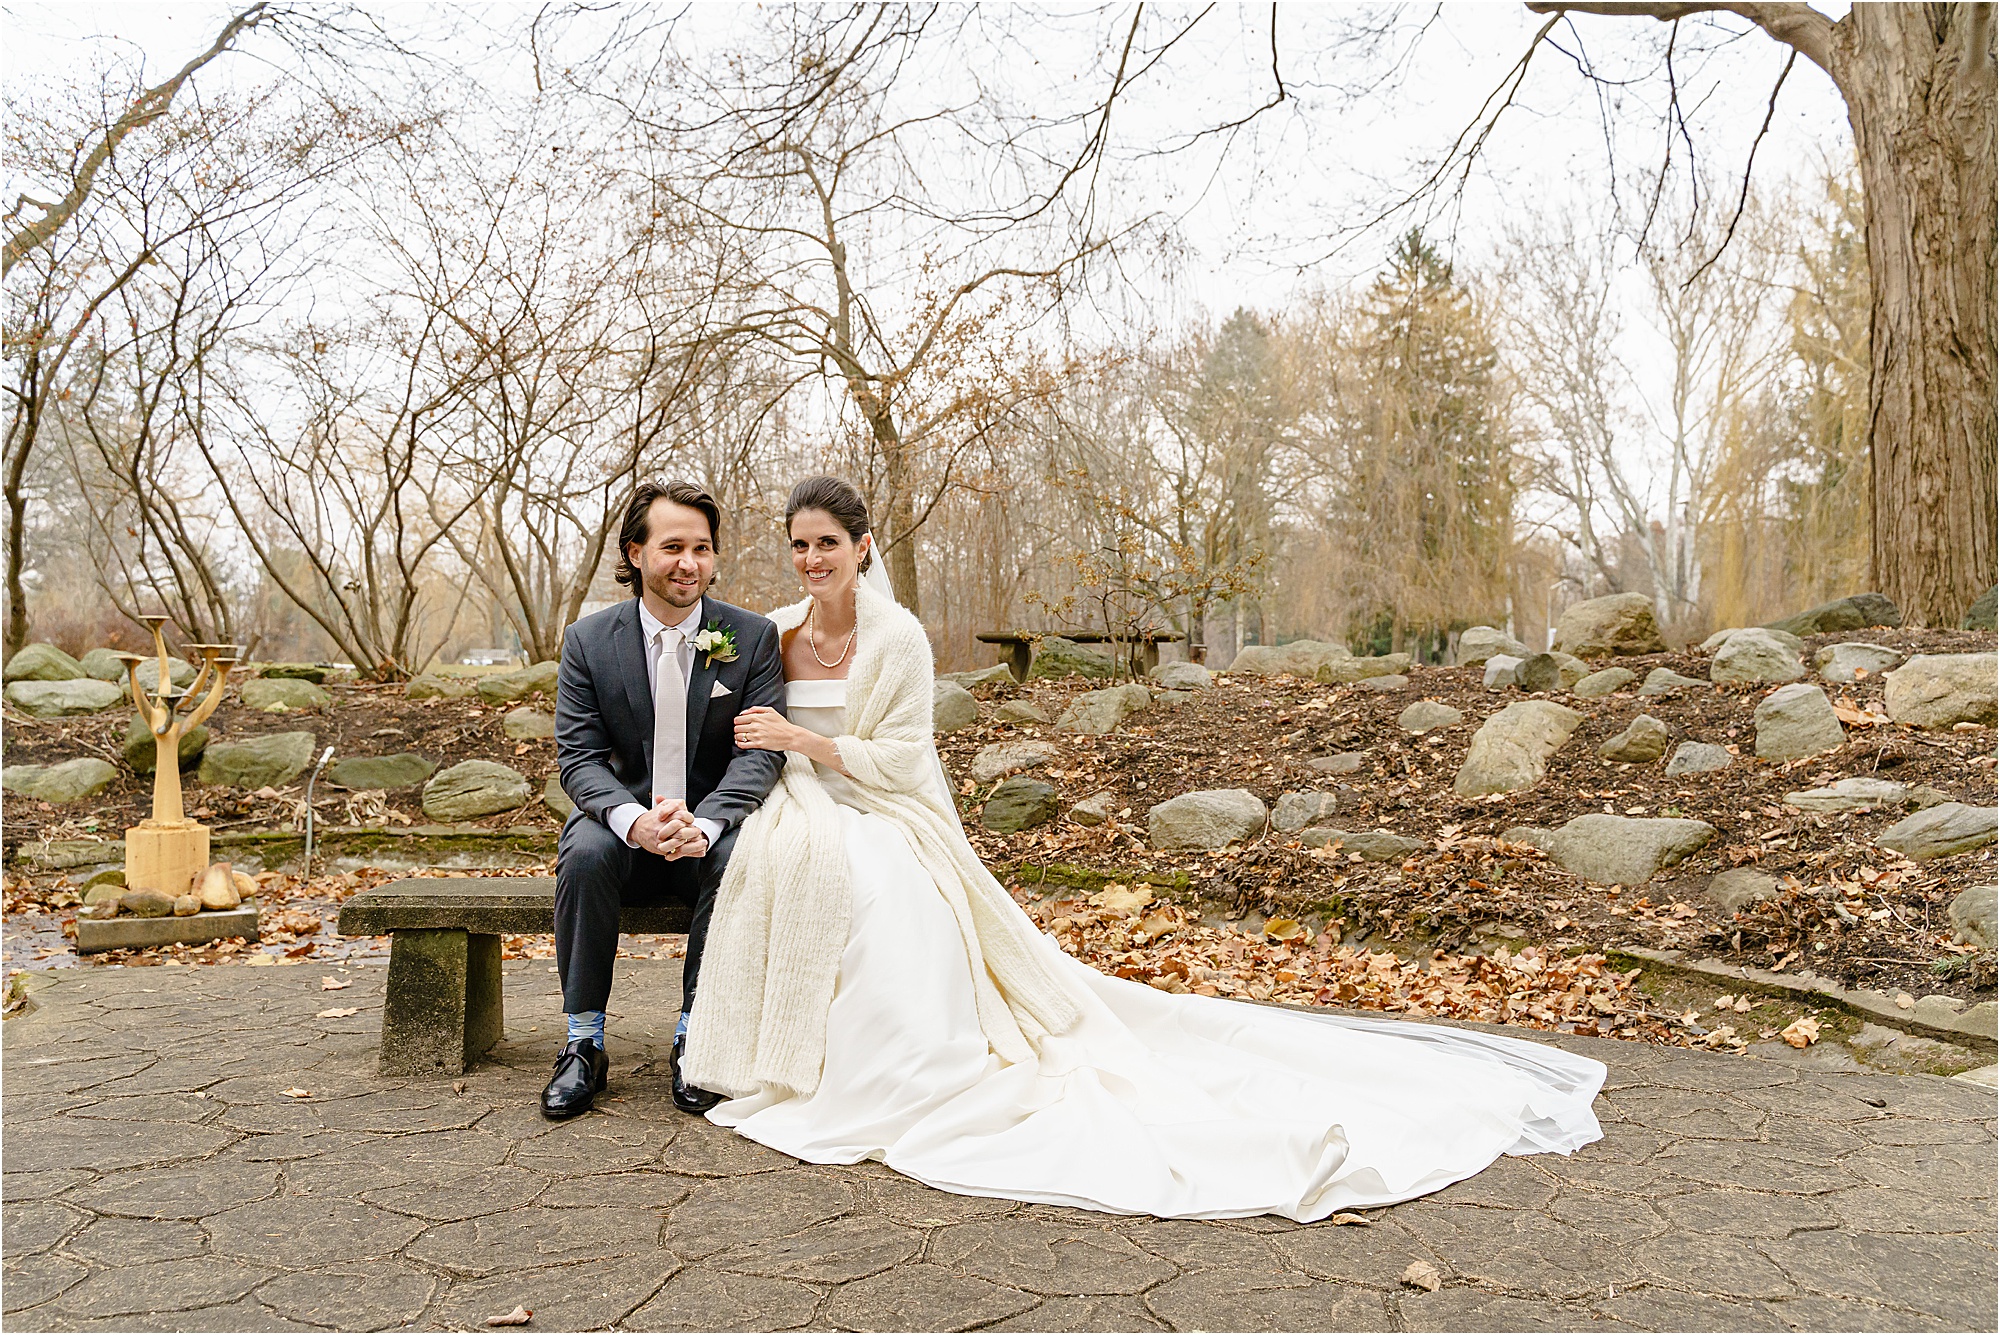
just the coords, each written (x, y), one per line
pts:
(1157, 1103)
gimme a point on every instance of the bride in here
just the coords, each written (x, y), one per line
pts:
(871, 992)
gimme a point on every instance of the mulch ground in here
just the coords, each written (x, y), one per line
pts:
(1271, 919)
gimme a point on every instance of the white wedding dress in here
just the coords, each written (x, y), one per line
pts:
(1173, 1105)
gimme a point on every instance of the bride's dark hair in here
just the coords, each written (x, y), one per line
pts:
(838, 499)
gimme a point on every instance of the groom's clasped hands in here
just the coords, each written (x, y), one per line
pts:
(669, 830)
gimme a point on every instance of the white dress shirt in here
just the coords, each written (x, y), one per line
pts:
(619, 819)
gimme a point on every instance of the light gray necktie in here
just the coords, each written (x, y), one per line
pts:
(669, 719)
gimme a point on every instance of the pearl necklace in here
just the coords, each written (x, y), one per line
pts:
(812, 616)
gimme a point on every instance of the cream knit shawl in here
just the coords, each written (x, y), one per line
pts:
(782, 912)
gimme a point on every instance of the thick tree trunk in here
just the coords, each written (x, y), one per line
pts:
(1919, 85)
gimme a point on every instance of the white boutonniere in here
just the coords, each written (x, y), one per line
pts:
(719, 644)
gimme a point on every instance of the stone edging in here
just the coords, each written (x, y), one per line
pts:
(1931, 1017)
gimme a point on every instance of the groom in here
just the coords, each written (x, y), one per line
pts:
(646, 703)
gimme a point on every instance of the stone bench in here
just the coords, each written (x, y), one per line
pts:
(1019, 646)
(442, 1010)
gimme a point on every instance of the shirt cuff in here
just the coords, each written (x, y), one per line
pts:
(619, 820)
(711, 829)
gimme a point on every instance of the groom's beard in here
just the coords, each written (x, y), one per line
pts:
(678, 595)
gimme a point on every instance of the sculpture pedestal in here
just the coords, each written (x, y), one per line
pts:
(165, 855)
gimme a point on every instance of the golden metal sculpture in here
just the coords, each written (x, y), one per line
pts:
(169, 851)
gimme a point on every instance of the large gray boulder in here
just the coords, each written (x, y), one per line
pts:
(1981, 615)
(1796, 721)
(1181, 676)
(1864, 792)
(316, 673)
(1099, 713)
(1057, 657)
(102, 665)
(1500, 670)
(62, 699)
(1755, 655)
(1697, 758)
(41, 662)
(1620, 624)
(141, 751)
(1342, 671)
(1741, 888)
(1020, 713)
(1644, 740)
(1862, 609)
(1851, 660)
(506, 687)
(258, 762)
(280, 695)
(1511, 750)
(1624, 850)
(1476, 644)
(1004, 758)
(1597, 685)
(431, 686)
(1019, 804)
(952, 707)
(474, 788)
(1212, 819)
(1296, 811)
(1939, 831)
(1300, 658)
(1721, 637)
(997, 675)
(1665, 681)
(405, 769)
(1550, 672)
(1972, 914)
(1369, 845)
(1938, 690)
(65, 781)
(1428, 716)
(528, 724)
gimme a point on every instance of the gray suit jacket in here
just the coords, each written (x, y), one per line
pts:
(604, 714)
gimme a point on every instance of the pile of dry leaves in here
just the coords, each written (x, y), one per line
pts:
(1124, 932)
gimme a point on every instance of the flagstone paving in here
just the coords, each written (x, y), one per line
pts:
(158, 1176)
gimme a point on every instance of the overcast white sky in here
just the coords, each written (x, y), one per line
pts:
(1258, 222)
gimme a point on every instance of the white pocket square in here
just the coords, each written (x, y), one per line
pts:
(719, 691)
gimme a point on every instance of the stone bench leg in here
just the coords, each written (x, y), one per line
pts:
(443, 1008)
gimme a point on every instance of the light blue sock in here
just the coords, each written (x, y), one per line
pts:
(587, 1024)
(681, 1027)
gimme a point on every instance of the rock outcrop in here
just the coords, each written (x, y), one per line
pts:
(1938, 690)
(1511, 750)
(1206, 820)
(1620, 624)
(1796, 721)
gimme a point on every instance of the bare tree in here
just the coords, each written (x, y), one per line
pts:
(1920, 86)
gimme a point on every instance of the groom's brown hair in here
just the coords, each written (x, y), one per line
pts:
(680, 492)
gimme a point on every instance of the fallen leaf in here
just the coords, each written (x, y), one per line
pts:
(1362, 1220)
(296, 1093)
(1904, 1001)
(518, 1317)
(332, 984)
(1283, 929)
(1422, 1275)
(338, 1013)
(1801, 1033)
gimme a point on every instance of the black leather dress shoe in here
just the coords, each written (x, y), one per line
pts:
(686, 1097)
(581, 1070)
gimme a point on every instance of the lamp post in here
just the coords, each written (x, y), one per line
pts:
(168, 851)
